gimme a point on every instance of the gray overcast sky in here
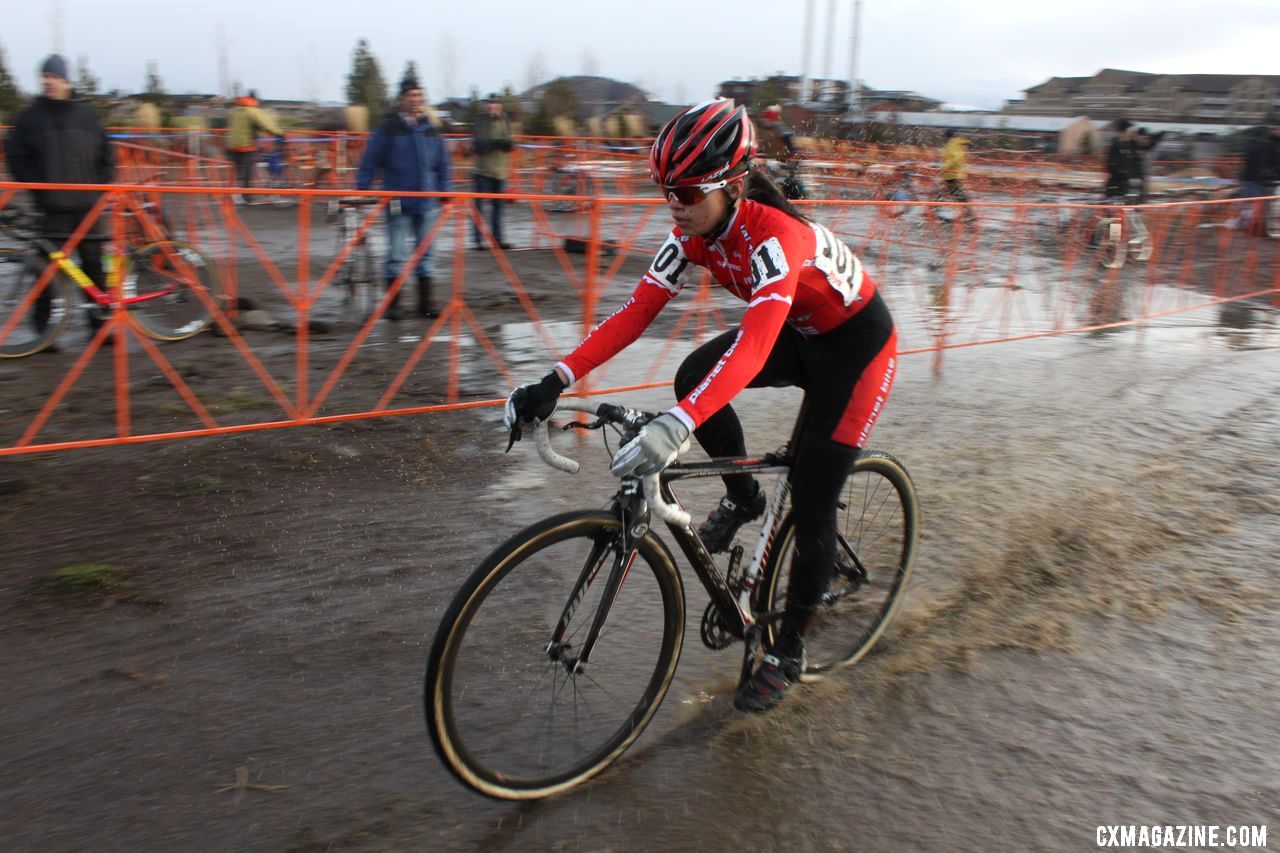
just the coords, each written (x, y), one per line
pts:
(979, 52)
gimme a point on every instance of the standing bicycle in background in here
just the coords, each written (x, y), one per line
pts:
(244, 121)
(814, 319)
(58, 140)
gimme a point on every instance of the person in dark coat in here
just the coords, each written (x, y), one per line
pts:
(59, 140)
(1122, 160)
(491, 139)
(408, 149)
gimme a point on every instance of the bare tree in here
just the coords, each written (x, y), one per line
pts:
(536, 71)
(448, 66)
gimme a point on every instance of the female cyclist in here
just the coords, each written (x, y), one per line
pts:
(814, 319)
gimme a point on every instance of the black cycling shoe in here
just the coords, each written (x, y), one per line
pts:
(770, 683)
(722, 524)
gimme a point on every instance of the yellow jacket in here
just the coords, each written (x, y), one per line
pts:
(953, 157)
(243, 122)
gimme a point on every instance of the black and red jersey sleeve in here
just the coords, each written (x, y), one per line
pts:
(775, 270)
(664, 279)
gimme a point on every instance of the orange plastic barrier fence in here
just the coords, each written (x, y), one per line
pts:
(298, 296)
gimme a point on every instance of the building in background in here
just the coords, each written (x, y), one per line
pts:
(1144, 97)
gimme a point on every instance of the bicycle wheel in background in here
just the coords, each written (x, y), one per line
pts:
(569, 183)
(44, 319)
(878, 523)
(505, 713)
(167, 279)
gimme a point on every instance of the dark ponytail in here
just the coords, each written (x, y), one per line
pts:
(763, 189)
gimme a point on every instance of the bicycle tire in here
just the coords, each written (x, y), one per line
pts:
(885, 546)
(497, 633)
(173, 276)
(566, 183)
(19, 271)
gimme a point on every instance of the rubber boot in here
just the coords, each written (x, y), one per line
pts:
(425, 307)
(393, 310)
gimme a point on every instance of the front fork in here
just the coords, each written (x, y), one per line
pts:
(633, 513)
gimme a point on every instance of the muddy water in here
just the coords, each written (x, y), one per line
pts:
(1090, 637)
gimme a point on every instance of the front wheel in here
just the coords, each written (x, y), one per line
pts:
(27, 331)
(508, 711)
(877, 529)
(169, 289)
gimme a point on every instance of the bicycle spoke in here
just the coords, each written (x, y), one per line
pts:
(516, 723)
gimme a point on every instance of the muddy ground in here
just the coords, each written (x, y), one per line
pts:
(1090, 637)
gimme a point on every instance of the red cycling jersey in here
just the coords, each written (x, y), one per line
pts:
(786, 270)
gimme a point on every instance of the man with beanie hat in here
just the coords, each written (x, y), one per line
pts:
(407, 148)
(491, 141)
(58, 140)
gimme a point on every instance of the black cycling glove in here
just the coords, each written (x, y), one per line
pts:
(532, 403)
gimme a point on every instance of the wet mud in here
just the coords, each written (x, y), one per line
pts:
(1089, 638)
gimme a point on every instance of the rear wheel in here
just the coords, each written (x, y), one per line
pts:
(24, 331)
(508, 712)
(175, 288)
(878, 522)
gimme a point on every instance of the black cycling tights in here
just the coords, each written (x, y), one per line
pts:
(821, 464)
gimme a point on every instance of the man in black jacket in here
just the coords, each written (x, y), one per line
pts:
(58, 140)
(1122, 156)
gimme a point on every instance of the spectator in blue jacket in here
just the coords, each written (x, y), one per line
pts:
(408, 148)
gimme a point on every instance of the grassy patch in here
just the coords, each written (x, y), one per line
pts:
(84, 579)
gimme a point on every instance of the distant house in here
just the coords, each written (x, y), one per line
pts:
(896, 101)
(1140, 96)
(824, 96)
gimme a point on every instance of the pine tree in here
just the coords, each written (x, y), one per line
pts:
(365, 85)
(511, 106)
(87, 88)
(154, 92)
(558, 99)
(411, 70)
(768, 94)
(10, 94)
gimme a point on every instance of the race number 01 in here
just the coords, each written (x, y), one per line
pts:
(665, 257)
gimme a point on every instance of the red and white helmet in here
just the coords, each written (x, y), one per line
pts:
(704, 144)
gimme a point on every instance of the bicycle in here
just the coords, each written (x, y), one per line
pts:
(357, 274)
(511, 633)
(166, 288)
(279, 176)
(568, 180)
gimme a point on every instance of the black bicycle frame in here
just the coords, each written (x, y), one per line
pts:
(634, 515)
